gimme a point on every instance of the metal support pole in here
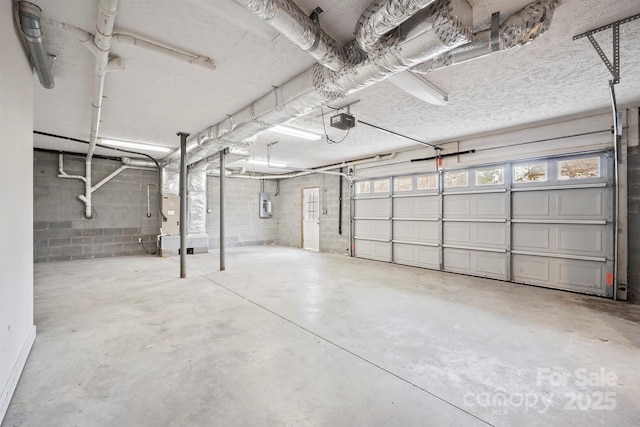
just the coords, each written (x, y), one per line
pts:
(223, 154)
(183, 203)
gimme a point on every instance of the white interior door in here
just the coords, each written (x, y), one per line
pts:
(311, 219)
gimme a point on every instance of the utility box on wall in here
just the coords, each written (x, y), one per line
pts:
(170, 214)
(265, 209)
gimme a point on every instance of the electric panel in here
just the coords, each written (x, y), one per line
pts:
(170, 209)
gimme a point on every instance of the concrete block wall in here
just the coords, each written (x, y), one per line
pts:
(243, 226)
(61, 232)
(633, 209)
(288, 212)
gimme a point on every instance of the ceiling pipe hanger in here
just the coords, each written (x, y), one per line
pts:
(614, 68)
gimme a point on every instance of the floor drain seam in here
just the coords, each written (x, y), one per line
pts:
(344, 349)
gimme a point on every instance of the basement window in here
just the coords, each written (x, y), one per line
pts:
(381, 186)
(363, 187)
(428, 182)
(493, 176)
(456, 179)
(403, 184)
(530, 172)
(579, 168)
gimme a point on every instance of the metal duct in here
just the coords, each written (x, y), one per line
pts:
(383, 16)
(128, 161)
(197, 201)
(286, 17)
(450, 23)
(30, 15)
(517, 30)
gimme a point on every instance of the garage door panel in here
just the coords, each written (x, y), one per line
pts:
(417, 256)
(373, 229)
(416, 207)
(372, 208)
(416, 231)
(555, 231)
(566, 239)
(476, 263)
(573, 275)
(379, 251)
(486, 205)
(576, 204)
(477, 234)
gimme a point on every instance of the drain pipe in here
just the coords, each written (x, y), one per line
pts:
(100, 48)
(340, 204)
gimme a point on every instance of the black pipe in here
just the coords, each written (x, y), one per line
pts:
(340, 204)
(443, 155)
(183, 203)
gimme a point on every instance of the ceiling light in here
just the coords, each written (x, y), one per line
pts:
(134, 145)
(265, 163)
(296, 132)
(420, 87)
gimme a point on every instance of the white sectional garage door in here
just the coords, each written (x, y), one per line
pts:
(545, 222)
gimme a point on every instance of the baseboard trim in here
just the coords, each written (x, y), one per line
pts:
(12, 382)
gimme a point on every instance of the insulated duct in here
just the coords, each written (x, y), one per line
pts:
(446, 26)
(286, 17)
(138, 162)
(381, 17)
(518, 30)
(30, 26)
(197, 201)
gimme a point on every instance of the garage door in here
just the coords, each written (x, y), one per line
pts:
(545, 222)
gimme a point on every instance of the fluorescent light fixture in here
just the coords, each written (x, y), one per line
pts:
(418, 86)
(265, 163)
(134, 145)
(296, 132)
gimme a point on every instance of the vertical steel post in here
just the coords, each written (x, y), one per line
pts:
(222, 179)
(183, 203)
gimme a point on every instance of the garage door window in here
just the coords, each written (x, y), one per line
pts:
(381, 186)
(579, 168)
(456, 179)
(493, 176)
(530, 172)
(363, 187)
(427, 182)
(403, 184)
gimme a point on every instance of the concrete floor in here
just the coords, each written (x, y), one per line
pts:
(289, 337)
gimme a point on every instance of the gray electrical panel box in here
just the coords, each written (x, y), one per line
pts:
(170, 214)
(265, 205)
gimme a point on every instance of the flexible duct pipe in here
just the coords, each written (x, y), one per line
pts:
(450, 21)
(30, 15)
(382, 17)
(286, 17)
(518, 30)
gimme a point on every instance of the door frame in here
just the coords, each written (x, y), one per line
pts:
(302, 211)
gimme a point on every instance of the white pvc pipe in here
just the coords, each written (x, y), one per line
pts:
(102, 42)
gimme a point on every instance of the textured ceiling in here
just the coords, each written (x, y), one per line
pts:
(154, 97)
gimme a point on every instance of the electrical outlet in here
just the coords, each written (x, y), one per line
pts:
(139, 239)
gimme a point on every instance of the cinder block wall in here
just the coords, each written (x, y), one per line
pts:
(633, 180)
(243, 226)
(61, 232)
(288, 212)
